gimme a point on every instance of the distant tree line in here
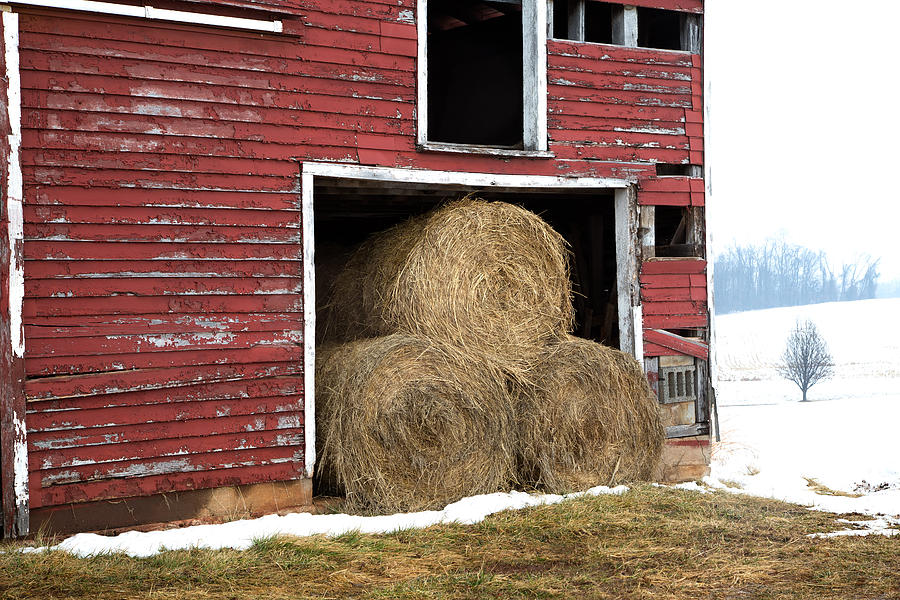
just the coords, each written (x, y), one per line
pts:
(777, 273)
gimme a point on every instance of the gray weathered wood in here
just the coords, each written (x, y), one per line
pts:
(575, 28)
(625, 26)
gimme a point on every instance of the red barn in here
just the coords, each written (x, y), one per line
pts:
(173, 172)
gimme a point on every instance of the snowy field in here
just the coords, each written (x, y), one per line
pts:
(846, 438)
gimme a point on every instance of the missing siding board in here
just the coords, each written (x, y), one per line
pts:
(583, 20)
(475, 76)
(659, 29)
(679, 170)
(598, 22)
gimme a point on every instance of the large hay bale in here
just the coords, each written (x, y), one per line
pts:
(590, 419)
(488, 277)
(408, 424)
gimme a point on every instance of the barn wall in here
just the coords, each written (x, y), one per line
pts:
(163, 250)
(163, 271)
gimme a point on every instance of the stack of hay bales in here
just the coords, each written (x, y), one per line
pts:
(450, 371)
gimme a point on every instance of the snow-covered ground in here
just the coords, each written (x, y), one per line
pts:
(847, 437)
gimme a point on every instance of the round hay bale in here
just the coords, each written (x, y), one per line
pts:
(406, 424)
(590, 419)
(489, 277)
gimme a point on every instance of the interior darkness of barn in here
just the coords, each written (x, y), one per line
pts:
(475, 72)
(346, 213)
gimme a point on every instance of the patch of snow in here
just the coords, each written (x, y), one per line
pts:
(845, 438)
(239, 535)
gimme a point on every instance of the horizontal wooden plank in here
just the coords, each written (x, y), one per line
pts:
(174, 180)
(575, 150)
(616, 111)
(65, 441)
(649, 280)
(681, 294)
(160, 286)
(620, 138)
(674, 308)
(147, 343)
(676, 342)
(673, 266)
(136, 305)
(114, 158)
(169, 323)
(158, 484)
(559, 65)
(111, 364)
(64, 269)
(98, 455)
(99, 84)
(54, 448)
(185, 464)
(675, 321)
(618, 53)
(245, 389)
(160, 216)
(134, 380)
(64, 250)
(143, 69)
(151, 232)
(654, 127)
(665, 198)
(623, 90)
(274, 125)
(41, 423)
(213, 200)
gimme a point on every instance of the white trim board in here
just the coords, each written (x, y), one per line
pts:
(309, 321)
(626, 257)
(12, 190)
(159, 14)
(398, 175)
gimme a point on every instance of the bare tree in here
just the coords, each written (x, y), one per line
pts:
(806, 359)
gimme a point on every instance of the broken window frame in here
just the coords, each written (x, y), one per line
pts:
(625, 26)
(534, 80)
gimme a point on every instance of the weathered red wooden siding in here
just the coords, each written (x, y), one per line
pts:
(673, 294)
(163, 309)
(163, 271)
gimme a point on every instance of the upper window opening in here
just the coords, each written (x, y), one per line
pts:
(659, 28)
(475, 73)
(598, 18)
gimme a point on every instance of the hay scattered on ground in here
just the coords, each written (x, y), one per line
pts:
(591, 419)
(490, 278)
(409, 424)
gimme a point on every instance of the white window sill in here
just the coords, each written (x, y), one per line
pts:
(486, 150)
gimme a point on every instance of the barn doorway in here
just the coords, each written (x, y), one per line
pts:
(595, 216)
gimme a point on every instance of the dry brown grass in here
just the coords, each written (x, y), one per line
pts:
(590, 419)
(411, 424)
(488, 277)
(649, 543)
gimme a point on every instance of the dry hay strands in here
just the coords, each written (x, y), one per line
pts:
(489, 277)
(590, 419)
(408, 424)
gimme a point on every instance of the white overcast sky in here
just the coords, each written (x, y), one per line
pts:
(804, 138)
